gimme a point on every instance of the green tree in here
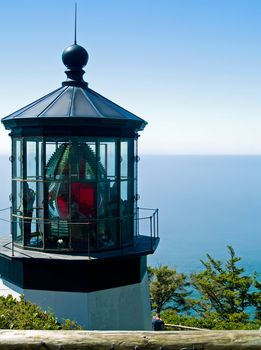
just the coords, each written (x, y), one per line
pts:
(212, 321)
(224, 288)
(167, 287)
(257, 299)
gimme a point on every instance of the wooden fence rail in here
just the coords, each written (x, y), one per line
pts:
(135, 340)
(178, 327)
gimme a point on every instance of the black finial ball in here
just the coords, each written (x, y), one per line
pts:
(75, 56)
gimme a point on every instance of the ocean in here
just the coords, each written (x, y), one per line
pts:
(205, 203)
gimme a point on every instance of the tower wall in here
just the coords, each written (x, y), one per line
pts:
(120, 308)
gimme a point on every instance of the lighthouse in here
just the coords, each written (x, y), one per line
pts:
(79, 242)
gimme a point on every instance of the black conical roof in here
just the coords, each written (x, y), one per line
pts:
(74, 103)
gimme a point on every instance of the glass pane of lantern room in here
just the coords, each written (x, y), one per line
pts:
(50, 148)
(29, 212)
(125, 214)
(107, 164)
(39, 203)
(108, 214)
(31, 159)
(18, 159)
(83, 160)
(57, 159)
(18, 212)
(124, 159)
(18, 229)
(83, 194)
(57, 234)
(18, 208)
(83, 215)
(90, 161)
(39, 164)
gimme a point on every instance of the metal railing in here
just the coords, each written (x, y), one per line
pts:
(153, 223)
(128, 231)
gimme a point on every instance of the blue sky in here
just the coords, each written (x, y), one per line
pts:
(191, 68)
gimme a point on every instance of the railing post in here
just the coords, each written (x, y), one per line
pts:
(151, 246)
(154, 227)
(11, 228)
(157, 223)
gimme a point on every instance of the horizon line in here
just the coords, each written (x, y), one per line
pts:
(183, 154)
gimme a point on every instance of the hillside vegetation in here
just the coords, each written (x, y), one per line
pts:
(221, 296)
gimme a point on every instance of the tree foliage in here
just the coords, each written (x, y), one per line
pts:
(212, 321)
(224, 288)
(257, 299)
(21, 314)
(167, 287)
(225, 297)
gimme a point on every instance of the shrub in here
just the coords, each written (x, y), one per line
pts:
(22, 314)
(210, 321)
